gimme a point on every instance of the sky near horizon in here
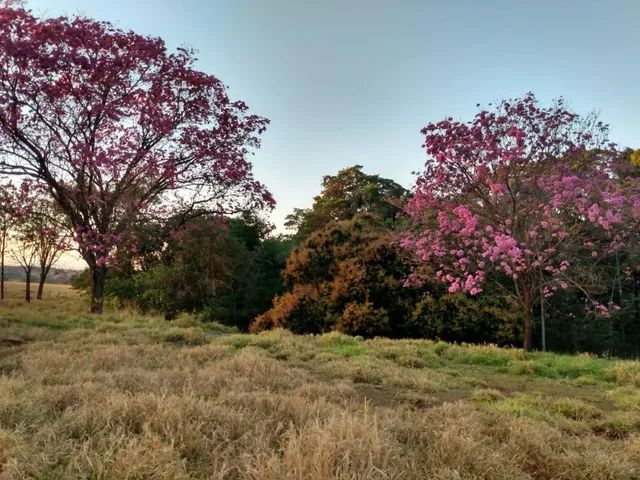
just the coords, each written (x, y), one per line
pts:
(349, 82)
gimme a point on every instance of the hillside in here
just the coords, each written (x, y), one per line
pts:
(57, 276)
(127, 396)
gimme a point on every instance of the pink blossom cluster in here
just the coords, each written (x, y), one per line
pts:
(523, 191)
(118, 128)
(95, 245)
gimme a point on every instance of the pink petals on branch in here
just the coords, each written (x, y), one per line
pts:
(520, 191)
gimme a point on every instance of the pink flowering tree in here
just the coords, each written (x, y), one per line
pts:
(533, 194)
(14, 206)
(118, 129)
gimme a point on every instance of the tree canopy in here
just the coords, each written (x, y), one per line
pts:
(116, 128)
(348, 277)
(528, 191)
(347, 194)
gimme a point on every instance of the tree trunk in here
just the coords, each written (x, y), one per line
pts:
(27, 291)
(543, 328)
(40, 288)
(44, 271)
(2, 249)
(98, 277)
(528, 307)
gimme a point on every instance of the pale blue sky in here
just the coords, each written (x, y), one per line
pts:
(354, 81)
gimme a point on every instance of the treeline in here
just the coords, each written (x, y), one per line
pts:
(342, 268)
(224, 269)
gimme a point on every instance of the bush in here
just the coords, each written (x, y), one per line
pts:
(300, 310)
(363, 319)
(459, 318)
(347, 277)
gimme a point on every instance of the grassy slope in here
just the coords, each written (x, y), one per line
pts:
(132, 397)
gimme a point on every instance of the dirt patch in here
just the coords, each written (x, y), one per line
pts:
(452, 395)
(7, 342)
(385, 396)
(511, 385)
(377, 395)
(10, 345)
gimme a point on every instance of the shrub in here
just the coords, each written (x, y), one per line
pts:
(459, 318)
(348, 277)
(363, 319)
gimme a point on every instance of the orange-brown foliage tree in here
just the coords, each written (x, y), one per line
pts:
(348, 277)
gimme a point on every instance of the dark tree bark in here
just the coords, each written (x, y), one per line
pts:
(2, 252)
(25, 256)
(40, 289)
(44, 271)
(543, 327)
(98, 278)
(27, 292)
(528, 312)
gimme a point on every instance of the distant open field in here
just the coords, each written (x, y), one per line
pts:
(129, 396)
(55, 295)
(63, 276)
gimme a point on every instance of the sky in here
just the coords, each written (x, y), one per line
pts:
(349, 82)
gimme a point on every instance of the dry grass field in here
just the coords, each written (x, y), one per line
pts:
(133, 397)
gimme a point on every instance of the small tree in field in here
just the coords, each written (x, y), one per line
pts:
(13, 206)
(25, 253)
(533, 193)
(48, 234)
(117, 129)
(7, 196)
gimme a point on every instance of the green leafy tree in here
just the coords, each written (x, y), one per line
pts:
(349, 193)
(227, 270)
(256, 280)
(256, 277)
(196, 265)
